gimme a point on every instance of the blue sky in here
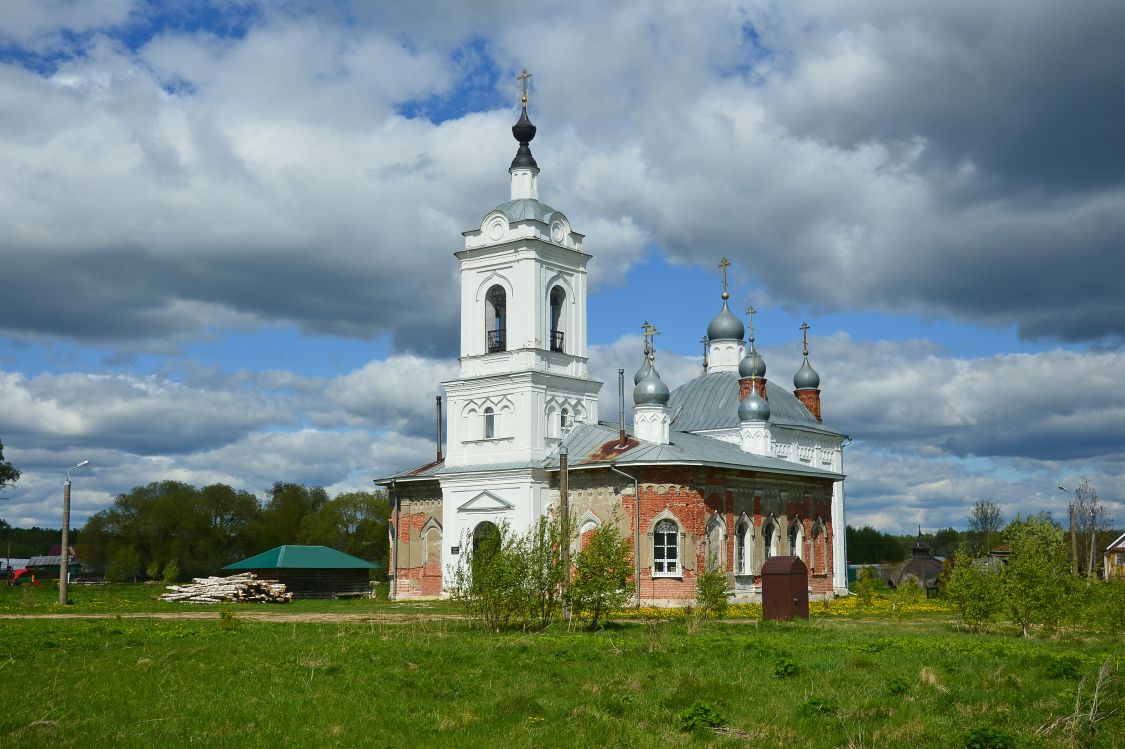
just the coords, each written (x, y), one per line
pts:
(230, 227)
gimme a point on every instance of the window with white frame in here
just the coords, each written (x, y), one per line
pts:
(769, 539)
(796, 538)
(740, 534)
(489, 423)
(666, 549)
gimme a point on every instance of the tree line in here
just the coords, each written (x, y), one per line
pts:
(173, 527)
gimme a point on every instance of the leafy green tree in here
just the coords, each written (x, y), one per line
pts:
(711, 595)
(545, 569)
(123, 566)
(284, 511)
(171, 572)
(601, 575)
(490, 580)
(1036, 581)
(9, 474)
(945, 542)
(870, 546)
(353, 522)
(974, 587)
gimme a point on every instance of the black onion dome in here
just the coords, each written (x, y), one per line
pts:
(524, 132)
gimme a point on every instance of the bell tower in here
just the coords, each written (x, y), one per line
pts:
(523, 378)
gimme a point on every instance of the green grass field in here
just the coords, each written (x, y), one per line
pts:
(840, 682)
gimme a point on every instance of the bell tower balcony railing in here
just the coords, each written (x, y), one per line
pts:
(496, 341)
(557, 341)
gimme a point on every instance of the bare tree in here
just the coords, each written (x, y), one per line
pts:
(1090, 517)
(985, 519)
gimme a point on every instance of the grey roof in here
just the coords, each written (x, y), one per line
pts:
(433, 471)
(710, 401)
(526, 209)
(48, 560)
(595, 445)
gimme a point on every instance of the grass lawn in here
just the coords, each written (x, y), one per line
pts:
(834, 682)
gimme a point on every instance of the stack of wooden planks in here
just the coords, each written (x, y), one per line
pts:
(243, 588)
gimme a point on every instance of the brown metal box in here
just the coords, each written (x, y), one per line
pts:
(785, 589)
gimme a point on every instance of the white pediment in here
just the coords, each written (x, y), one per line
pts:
(486, 502)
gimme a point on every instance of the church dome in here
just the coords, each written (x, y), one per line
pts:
(643, 372)
(806, 377)
(753, 407)
(650, 389)
(524, 132)
(752, 365)
(725, 326)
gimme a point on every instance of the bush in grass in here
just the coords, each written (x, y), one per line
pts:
(974, 588)
(171, 572)
(711, 593)
(1037, 583)
(1105, 606)
(510, 581)
(784, 668)
(152, 571)
(123, 566)
(865, 583)
(601, 575)
(986, 737)
(700, 715)
(817, 706)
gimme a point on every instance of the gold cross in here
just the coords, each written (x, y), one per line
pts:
(523, 78)
(750, 313)
(805, 336)
(724, 264)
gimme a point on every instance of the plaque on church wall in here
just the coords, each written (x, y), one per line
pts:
(455, 550)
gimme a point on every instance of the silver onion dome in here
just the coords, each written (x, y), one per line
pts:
(754, 407)
(650, 389)
(752, 365)
(643, 372)
(725, 326)
(806, 377)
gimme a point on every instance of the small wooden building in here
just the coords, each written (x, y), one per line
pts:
(311, 571)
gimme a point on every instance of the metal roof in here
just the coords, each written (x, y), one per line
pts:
(433, 471)
(597, 445)
(710, 401)
(526, 209)
(301, 557)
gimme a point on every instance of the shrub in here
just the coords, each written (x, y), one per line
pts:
(601, 574)
(152, 571)
(700, 715)
(865, 586)
(711, 593)
(509, 581)
(974, 588)
(171, 572)
(784, 668)
(986, 737)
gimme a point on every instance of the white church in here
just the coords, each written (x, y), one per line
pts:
(725, 470)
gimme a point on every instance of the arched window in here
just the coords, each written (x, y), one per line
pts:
(555, 323)
(564, 420)
(666, 549)
(769, 539)
(740, 534)
(489, 423)
(716, 558)
(496, 319)
(796, 538)
(819, 548)
(486, 542)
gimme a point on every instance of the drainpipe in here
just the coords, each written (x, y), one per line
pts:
(636, 534)
(394, 545)
(439, 429)
(564, 510)
(621, 401)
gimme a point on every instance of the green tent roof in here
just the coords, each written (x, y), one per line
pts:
(301, 557)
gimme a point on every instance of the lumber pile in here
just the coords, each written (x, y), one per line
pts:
(243, 588)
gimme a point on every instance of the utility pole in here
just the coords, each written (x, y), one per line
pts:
(64, 552)
(1073, 536)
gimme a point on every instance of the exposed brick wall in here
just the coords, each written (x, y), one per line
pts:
(811, 399)
(744, 388)
(419, 546)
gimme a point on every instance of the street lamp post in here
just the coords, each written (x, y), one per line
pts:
(1073, 534)
(64, 555)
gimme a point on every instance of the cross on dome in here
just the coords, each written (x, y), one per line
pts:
(805, 336)
(723, 265)
(523, 78)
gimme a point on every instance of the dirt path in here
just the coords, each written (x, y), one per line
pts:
(264, 616)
